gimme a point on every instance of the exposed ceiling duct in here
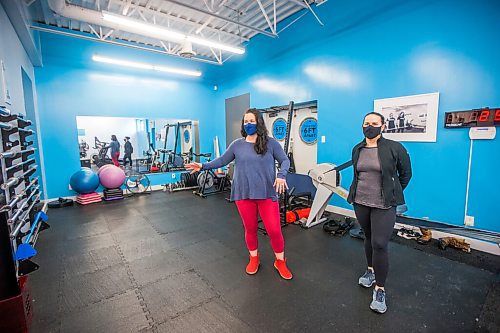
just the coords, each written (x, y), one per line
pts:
(124, 23)
(216, 29)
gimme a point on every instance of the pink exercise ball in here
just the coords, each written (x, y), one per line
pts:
(112, 177)
(104, 167)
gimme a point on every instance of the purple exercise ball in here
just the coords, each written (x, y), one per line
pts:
(104, 167)
(112, 177)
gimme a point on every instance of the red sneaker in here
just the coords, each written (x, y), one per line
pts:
(285, 273)
(253, 265)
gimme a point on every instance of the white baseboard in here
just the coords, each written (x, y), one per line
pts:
(475, 244)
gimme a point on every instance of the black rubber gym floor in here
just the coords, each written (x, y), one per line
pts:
(175, 263)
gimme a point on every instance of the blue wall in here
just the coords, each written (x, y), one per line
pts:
(378, 49)
(70, 84)
(367, 50)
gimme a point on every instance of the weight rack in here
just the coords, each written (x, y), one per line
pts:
(22, 217)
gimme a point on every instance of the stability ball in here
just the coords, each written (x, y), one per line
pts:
(84, 181)
(112, 177)
(104, 167)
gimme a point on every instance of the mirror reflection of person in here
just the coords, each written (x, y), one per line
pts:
(391, 124)
(382, 170)
(256, 186)
(128, 149)
(401, 122)
(115, 150)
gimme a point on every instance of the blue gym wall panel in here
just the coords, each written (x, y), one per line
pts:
(372, 49)
(379, 49)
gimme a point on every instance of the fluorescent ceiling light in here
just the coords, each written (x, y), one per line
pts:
(215, 45)
(141, 65)
(166, 34)
(141, 26)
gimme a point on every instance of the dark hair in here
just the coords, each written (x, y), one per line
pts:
(382, 118)
(262, 133)
(113, 137)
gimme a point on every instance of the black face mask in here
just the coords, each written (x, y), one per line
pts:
(371, 131)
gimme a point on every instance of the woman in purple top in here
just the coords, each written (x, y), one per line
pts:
(255, 186)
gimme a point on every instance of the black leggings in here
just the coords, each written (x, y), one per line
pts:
(129, 157)
(377, 225)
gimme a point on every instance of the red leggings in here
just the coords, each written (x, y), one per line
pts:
(270, 214)
(115, 158)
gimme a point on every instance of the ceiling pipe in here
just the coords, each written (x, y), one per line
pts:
(78, 13)
(129, 45)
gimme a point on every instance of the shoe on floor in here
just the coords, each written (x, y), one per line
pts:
(253, 265)
(408, 233)
(284, 272)
(367, 280)
(378, 301)
(426, 236)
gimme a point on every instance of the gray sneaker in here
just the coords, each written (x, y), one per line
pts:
(378, 302)
(367, 280)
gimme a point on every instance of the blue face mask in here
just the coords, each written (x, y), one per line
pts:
(250, 129)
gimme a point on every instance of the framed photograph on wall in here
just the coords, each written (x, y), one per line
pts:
(410, 118)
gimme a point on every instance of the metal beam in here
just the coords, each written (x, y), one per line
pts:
(298, 2)
(274, 14)
(127, 6)
(158, 11)
(218, 57)
(108, 34)
(46, 11)
(251, 18)
(210, 19)
(206, 4)
(312, 11)
(295, 20)
(257, 17)
(93, 31)
(178, 3)
(75, 35)
(265, 16)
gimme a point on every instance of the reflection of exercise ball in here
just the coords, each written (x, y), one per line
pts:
(104, 167)
(84, 181)
(112, 177)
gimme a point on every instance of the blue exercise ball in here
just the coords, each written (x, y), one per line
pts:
(84, 181)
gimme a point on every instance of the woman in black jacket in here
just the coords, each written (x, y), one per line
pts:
(382, 170)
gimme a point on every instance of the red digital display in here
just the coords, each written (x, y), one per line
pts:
(484, 117)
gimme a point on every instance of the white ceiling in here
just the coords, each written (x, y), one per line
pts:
(232, 22)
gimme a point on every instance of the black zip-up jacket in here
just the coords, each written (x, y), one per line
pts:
(128, 148)
(395, 166)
